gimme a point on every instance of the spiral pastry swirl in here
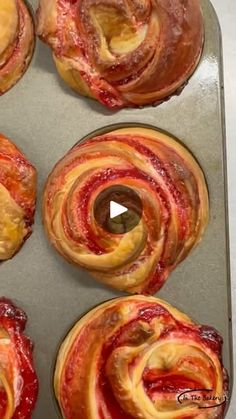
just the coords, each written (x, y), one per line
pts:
(133, 357)
(17, 198)
(123, 53)
(172, 189)
(18, 380)
(16, 42)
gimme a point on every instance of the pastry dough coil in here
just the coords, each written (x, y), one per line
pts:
(170, 185)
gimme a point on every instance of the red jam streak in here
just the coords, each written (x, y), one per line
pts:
(13, 321)
(167, 383)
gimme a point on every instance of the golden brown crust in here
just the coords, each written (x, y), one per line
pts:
(132, 357)
(123, 53)
(173, 191)
(17, 42)
(17, 198)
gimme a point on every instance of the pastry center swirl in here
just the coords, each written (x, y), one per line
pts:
(118, 32)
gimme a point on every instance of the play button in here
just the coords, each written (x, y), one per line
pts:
(118, 209)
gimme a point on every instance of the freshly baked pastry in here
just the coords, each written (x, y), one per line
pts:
(123, 53)
(171, 187)
(18, 380)
(16, 41)
(136, 357)
(17, 198)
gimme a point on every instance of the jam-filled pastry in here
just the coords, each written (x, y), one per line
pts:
(17, 198)
(135, 357)
(174, 197)
(18, 380)
(17, 41)
(123, 53)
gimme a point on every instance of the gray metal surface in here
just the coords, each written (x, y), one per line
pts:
(45, 119)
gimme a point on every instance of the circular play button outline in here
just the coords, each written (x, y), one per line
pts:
(118, 209)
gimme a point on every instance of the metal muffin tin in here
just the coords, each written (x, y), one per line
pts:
(45, 118)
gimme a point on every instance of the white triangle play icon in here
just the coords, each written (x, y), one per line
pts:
(116, 209)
